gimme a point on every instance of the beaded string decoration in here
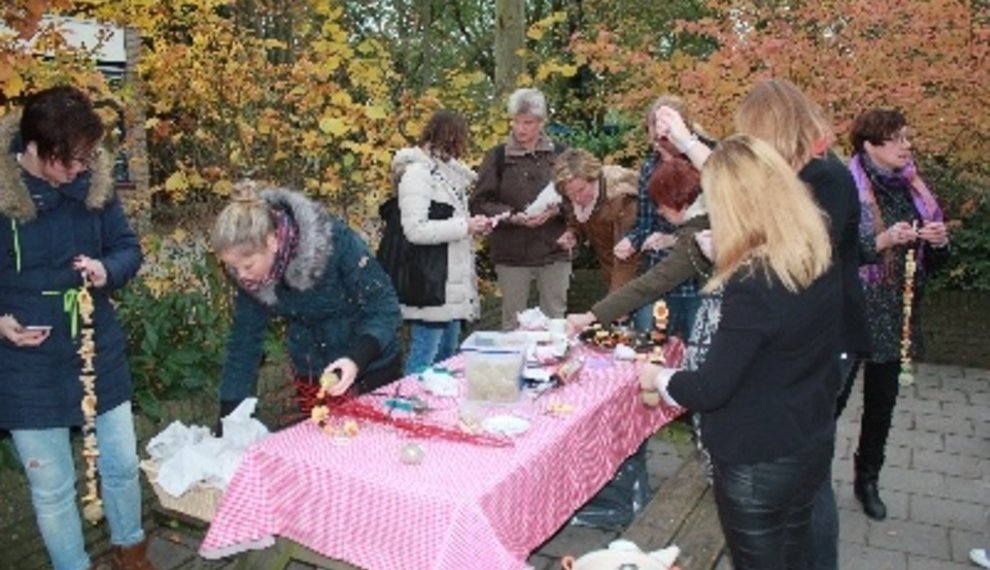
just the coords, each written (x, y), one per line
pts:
(906, 376)
(661, 314)
(92, 504)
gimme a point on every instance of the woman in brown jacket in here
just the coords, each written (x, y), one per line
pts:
(601, 207)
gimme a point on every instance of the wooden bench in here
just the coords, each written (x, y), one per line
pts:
(683, 513)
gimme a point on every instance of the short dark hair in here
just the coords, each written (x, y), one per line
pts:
(876, 126)
(61, 122)
(675, 183)
(446, 134)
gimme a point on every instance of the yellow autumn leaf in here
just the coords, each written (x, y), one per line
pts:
(223, 187)
(375, 112)
(176, 182)
(14, 85)
(333, 126)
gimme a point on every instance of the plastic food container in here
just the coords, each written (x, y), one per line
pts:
(493, 363)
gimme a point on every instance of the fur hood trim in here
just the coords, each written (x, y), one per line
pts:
(416, 155)
(15, 200)
(315, 241)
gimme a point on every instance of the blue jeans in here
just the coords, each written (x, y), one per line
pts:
(823, 553)
(47, 458)
(431, 342)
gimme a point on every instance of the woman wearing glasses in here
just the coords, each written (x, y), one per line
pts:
(898, 214)
(60, 220)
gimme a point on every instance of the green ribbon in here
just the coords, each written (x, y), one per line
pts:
(70, 304)
(17, 244)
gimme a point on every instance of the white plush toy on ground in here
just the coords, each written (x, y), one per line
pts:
(624, 555)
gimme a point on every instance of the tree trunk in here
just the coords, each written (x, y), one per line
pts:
(510, 37)
(136, 139)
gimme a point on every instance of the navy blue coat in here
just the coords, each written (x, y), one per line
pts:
(335, 298)
(41, 230)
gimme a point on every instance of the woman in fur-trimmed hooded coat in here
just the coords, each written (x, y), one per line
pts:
(337, 301)
(42, 230)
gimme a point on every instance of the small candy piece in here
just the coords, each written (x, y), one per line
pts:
(651, 399)
(411, 454)
(328, 379)
(93, 512)
(905, 378)
(350, 428)
(319, 414)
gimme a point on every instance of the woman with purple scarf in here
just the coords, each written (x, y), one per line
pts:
(899, 214)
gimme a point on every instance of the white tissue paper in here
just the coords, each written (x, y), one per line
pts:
(187, 455)
(546, 199)
(439, 382)
(532, 320)
(623, 352)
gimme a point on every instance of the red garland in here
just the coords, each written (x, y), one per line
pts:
(349, 407)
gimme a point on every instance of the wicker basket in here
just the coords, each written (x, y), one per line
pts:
(199, 502)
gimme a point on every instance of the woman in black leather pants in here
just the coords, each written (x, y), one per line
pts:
(767, 388)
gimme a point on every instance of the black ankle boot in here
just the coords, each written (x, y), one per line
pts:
(867, 491)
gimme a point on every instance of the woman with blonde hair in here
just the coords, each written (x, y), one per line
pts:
(766, 389)
(602, 208)
(778, 112)
(291, 259)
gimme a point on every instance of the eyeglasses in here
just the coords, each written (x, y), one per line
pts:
(84, 160)
(902, 137)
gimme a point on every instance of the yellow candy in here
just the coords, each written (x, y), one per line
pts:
(328, 379)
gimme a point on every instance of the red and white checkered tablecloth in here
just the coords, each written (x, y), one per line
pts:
(464, 506)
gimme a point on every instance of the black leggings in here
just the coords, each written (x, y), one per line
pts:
(765, 508)
(880, 388)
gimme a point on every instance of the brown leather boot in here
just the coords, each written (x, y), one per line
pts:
(131, 557)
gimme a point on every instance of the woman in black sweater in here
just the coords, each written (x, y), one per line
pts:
(767, 389)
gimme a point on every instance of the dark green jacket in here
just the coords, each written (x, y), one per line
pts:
(684, 262)
(335, 298)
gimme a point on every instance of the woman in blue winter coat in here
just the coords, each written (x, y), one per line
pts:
(292, 260)
(59, 220)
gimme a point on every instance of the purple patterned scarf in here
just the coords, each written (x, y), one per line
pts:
(287, 234)
(865, 171)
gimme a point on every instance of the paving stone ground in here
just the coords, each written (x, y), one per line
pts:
(936, 484)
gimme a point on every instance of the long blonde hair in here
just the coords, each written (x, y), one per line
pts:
(761, 212)
(778, 112)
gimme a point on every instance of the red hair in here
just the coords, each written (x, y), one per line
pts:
(675, 183)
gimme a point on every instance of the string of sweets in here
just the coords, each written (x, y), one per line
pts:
(92, 504)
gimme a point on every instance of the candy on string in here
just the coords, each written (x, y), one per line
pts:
(906, 376)
(92, 504)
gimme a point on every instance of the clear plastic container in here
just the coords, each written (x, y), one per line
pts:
(493, 366)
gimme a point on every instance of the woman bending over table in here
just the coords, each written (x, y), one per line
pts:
(767, 387)
(292, 260)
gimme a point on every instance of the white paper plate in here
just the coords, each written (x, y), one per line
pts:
(505, 425)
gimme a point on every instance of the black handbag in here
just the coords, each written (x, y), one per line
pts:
(418, 272)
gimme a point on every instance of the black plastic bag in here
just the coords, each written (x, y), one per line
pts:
(616, 505)
(418, 272)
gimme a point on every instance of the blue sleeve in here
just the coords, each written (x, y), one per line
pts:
(646, 210)
(245, 346)
(121, 255)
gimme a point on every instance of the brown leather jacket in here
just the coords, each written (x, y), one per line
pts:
(611, 218)
(523, 176)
